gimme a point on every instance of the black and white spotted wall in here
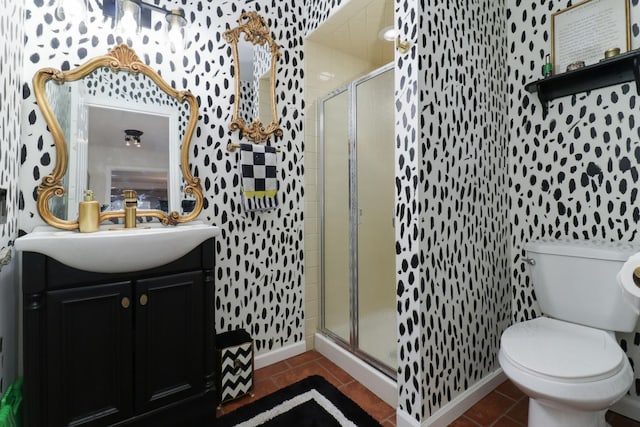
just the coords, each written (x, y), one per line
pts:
(136, 89)
(576, 172)
(11, 51)
(261, 256)
(463, 194)
(409, 258)
(10, 76)
(259, 272)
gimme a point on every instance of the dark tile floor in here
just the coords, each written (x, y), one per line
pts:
(506, 406)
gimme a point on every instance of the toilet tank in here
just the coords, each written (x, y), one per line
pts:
(575, 280)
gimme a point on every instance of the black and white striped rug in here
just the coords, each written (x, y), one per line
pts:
(312, 402)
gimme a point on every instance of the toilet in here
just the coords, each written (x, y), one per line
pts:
(568, 361)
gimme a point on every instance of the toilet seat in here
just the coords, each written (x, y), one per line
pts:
(561, 350)
(531, 357)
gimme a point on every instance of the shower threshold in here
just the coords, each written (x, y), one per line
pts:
(379, 383)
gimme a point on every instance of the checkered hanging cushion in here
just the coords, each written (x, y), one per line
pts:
(258, 177)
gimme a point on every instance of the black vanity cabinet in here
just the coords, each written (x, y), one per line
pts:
(119, 348)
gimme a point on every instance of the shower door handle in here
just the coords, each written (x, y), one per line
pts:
(393, 217)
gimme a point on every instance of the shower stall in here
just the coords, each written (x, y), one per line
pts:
(358, 286)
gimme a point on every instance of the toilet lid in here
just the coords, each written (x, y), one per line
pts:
(561, 349)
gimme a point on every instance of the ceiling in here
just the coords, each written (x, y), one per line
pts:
(354, 29)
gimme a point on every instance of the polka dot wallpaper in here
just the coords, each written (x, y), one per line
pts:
(11, 51)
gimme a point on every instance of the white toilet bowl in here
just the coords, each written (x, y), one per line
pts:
(571, 373)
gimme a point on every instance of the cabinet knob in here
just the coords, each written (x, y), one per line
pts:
(125, 302)
(144, 299)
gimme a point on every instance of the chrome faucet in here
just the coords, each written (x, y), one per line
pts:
(130, 206)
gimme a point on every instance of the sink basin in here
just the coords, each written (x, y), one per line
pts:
(117, 250)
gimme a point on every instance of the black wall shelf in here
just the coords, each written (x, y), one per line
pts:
(620, 69)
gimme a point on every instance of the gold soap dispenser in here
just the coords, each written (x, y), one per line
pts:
(89, 213)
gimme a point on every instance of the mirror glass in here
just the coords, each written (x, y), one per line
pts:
(94, 122)
(115, 165)
(255, 56)
(255, 84)
(95, 114)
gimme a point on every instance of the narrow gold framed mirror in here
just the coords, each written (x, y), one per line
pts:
(81, 104)
(255, 57)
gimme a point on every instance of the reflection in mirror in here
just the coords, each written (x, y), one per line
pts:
(255, 55)
(88, 110)
(115, 166)
(264, 101)
(248, 106)
(255, 84)
(106, 117)
(149, 184)
(62, 98)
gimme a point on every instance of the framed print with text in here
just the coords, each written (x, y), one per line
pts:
(584, 31)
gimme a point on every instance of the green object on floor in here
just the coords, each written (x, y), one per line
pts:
(11, 405)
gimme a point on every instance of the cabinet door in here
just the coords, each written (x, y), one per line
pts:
(169, 360)
(89, 364)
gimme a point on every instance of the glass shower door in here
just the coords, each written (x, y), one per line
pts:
(357, 128)
(373, 99)
(336, 269)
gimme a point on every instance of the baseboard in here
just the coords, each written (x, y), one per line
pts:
(403, 419)
(380, 384)
(278, 355)
(465, 400)
(458, 406)
(628, 406)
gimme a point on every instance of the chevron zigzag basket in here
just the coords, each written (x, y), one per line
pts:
(234, 351)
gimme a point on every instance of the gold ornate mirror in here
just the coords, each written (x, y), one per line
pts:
(255, 59)
(113, 98)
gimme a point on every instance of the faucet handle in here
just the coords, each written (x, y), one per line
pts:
(130, 206)
(130, 197)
